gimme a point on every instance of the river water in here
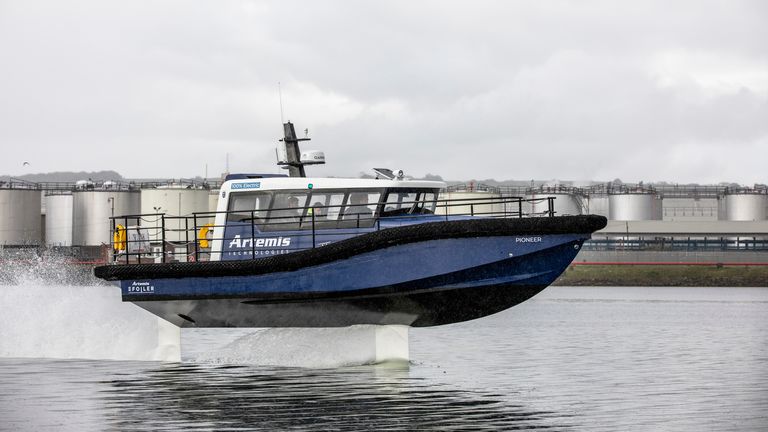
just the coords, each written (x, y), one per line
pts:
(594, 359)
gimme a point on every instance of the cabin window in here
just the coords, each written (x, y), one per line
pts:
(327, 209)
(287, 210)
(245, 206)
(409, 201)
(426, 203)
(360, 210)
(326, 206)
(399, 202)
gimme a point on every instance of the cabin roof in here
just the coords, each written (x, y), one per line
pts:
(279, 183)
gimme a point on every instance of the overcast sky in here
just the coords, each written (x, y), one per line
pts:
(574, 90)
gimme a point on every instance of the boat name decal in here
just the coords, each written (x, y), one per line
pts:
(238, 242)
(528, 240)
(141, 287)
(251, 185)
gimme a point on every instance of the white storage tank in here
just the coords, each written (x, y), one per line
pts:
(635, 206)
(746, 206)
(20, 219)
(563, 204)
(174, 201)
(721, 213)
(478, 203)
(599, 204)
(213, 200)
(690, 209)
(59, 217)
(92, 209)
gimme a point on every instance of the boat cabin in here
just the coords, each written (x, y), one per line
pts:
(262, 215)
(293, 203)
(267, 216)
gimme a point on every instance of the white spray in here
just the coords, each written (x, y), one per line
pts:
(309, 347)
(44, 313)
(51, 309)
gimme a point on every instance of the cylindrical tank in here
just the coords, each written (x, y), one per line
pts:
(473, 203)
(598, 204)
(721, 214)
(213, 200)
(745, 207)
(20, 217)
(92, 210)
(690, 209)
(175, 201)
(563, 204)
(635, 206)
(59, 218)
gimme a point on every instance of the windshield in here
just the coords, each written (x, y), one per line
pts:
(285, 210)
(409, 201)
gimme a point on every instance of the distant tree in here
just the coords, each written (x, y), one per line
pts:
(432, 177)
(72, 176)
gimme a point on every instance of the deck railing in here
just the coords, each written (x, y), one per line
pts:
(161, 238)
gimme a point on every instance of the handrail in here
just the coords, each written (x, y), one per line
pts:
(159, 237)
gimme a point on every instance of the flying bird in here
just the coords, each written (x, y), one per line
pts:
(25, 164)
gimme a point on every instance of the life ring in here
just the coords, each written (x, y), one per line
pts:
(202, 235)
(118, 238)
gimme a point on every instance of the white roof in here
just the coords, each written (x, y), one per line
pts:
(314, 183)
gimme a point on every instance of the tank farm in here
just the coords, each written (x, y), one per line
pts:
(719, 233)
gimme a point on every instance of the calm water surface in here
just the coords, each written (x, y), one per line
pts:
(610, 359)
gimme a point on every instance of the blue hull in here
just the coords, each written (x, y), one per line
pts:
(424, 274)
(418, 284)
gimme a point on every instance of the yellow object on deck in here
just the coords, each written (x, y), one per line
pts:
(202, 235)
(118, 238)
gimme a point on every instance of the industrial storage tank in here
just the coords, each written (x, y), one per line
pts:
(568, 200)
(721, 214)
(690, 209)
(175, 200)
(635, 206)
(477, 202)
(213, 200)
(749, 205)
(92, 207)
(59, 218)
(599, 204)
(20, 220)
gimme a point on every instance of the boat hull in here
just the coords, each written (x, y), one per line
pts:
(425, 275)
(435, 284)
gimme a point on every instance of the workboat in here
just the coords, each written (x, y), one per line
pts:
(297, 251)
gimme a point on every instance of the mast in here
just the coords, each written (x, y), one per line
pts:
(290, 157)
(292, 151)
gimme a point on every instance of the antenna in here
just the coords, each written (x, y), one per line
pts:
(280, 94)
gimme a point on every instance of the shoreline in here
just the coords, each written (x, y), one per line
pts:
(664, 275)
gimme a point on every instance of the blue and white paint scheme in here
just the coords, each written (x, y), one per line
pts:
(320, 252)
(325, 252)
(235, 242)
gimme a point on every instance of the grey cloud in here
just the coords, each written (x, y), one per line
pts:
(480, 89)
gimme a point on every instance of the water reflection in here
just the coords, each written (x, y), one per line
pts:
(577, 358)
(203, 397)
